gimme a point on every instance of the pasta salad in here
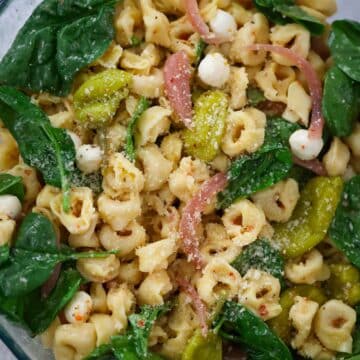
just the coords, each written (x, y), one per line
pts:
(179, 179)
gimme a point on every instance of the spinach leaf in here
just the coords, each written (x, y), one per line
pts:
(252, 173)
(135, 41)
(50, 150)
(344, 42)
(4, 254)
(345, 227)
(133, 345)
(13, 308)
(142, 324)
(34, 257)
(59, 39)
(341, 105)
(285, 11)
(262, 256)
(260, 342)
(279, 130)
(301, 175)
(130, 151)
(199, 51)
(262, 169)
(255, 96)
(40, 313)
(12, 185)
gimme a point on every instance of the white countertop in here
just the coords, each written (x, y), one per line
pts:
(349, 9)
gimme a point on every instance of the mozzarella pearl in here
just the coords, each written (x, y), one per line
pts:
(88, 158)
(304, 147)
(78, 310)
(10, 206)
(75, 138)
(223, 25)
(214, 70)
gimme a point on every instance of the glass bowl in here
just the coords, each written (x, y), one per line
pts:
(13, 14)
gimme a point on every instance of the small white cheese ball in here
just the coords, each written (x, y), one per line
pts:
(214, 70)
(88, 158)
(303, 147)
(223, 25)
(75, 138)
(79, 308)
(10, 206)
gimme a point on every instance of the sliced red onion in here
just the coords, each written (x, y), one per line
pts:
(199, 25)
(191, 217)
(315, 165)
(199, 306)
(314, 83)
(177, 74)
(50, 283)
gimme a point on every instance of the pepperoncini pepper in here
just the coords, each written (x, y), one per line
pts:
(203, 348)
(311, 218)
(203, 140)
(281, 324)
(344, 283)
(98, 98)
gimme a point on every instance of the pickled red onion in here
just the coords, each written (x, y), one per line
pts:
(199, 25)
(191, 216)
(315, 165)
(199, 306)
(317, 120)
(177, 74)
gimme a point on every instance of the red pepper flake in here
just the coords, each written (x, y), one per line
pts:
(263, 310)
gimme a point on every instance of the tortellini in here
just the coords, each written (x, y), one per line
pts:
(99, 270)
(155, 256)
(9, 153)
(333, 325)
(301, 316)
(82, 209)
(243, 222)
(260, 292)
(307, 269)
(245, 132)
(218, 279)
(254, 31)
(278, 202)
(74, 341)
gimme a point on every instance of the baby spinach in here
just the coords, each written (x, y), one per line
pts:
(133, 344)
(142, 106)
(59, 39)
(36, 313)
(255, 96)
(279, 130)
(12, 185)
(50, 150)
(263, 256)
(13, 308)
(285, 11)
(135, 41)
(142, 324)
(4, 254)
(344, 42)
(341, 104)
(262, 169)
(259, 343)
(34, 257)
(40, 312)
(345, 227)
(199, 51)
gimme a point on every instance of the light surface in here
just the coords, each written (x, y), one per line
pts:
(348, 9)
